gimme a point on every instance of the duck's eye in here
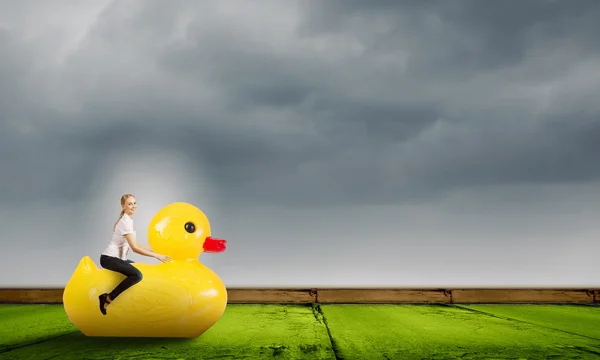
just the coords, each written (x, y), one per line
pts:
(190, 227)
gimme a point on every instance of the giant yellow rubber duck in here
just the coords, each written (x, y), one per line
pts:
(181, 298)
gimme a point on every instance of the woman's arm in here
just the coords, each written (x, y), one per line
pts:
(142, 250)
(144, 247)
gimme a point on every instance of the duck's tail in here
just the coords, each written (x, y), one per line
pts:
(81, 274)
(86, 266)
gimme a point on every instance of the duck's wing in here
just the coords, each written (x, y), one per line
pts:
(154, 303)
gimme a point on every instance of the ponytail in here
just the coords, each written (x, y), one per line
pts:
(120, 216)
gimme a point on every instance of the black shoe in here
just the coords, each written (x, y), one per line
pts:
(102, 303)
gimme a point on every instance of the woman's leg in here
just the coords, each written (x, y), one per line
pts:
(133, 276)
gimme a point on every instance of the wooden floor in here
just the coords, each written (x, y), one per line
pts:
(360, 296)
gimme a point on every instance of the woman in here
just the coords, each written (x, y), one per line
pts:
(115, 256)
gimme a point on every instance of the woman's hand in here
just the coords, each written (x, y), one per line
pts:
(163, 258)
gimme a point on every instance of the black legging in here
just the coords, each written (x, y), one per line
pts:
(133, 275)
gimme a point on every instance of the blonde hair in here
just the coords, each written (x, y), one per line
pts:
(123, 200)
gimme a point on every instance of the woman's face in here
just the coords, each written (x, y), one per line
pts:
(130, 206)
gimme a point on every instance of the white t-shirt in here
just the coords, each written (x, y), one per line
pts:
(118, 246)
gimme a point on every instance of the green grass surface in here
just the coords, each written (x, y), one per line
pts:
(446, 332)
(27, 324)
(326, 332)
(244, 332)
(576, 319)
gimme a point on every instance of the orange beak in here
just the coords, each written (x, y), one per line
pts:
(213, 245)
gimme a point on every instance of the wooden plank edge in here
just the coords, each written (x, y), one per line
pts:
(360, 296)
(524, 296)
(384, 296)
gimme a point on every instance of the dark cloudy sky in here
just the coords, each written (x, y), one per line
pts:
(333, 143)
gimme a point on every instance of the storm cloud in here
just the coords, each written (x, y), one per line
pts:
(305, 105)
(312, 102)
